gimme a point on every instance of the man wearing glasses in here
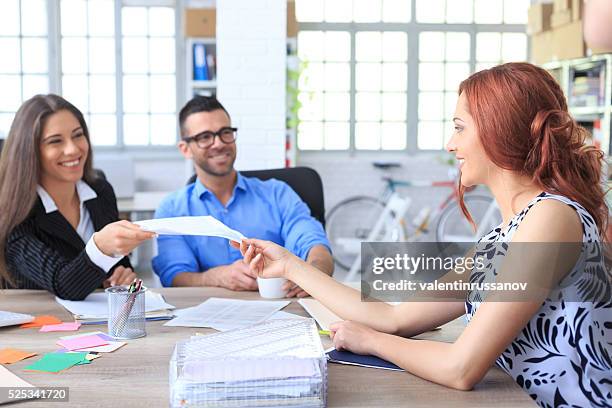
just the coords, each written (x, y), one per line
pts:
(268, 210)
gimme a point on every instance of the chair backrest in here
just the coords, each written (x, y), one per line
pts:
(305, 181)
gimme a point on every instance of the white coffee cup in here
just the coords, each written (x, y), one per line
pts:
(271, 288)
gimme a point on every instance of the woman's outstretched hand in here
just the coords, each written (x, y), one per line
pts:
(264, 258)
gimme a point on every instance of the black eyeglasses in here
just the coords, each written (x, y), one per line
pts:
(206, 139)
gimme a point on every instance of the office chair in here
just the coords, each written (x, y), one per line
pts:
(305, 181)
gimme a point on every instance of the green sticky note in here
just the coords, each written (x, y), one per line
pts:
(56, 362)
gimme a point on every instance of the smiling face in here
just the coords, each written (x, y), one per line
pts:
(474, 164)
(63, 149)
(217, 159)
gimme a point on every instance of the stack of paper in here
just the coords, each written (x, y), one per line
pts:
(94, 309)
(276, 363)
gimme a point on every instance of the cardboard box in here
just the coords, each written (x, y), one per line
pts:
(568, 42)
(200, 22)
(562, 5)
(541, 47)
(539, 18)
(560, 18)
(292, 24)
(577, 9)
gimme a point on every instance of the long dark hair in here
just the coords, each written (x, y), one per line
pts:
(523, 122)
(20, 166)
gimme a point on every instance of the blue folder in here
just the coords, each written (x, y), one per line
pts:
(347, 357)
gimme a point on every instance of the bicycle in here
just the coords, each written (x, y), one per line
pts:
(365, 218)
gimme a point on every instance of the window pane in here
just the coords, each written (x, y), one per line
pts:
(515, 11)
(134, 21)
(337, 77)
(161, 55)
(338, 11)
(394, 46)
(450, 103)
(102, 56)
(73, 17)
(309, 45)
(430, 11)
(33, 17)
(163, 130)
(455, 73)
(103, 129)
(367, 11)
(102, 93)
(431, 46)
(9, 63)
(393, 136)
(394, 106)
(74, 55)
(448, 132)
(394, 77)
(337, 106)
(485, 65)
(431, 105)
(431, 76)
(312, 78)
(34, 85)
(310, 136)
(75, 89)
(312, 107)
(6, 119)
(488, 47)
(368, 46)
(337, 136)
(163, 94)
(136, 93)
(9, 18)
(431, 135)
(459, 11)
(10, 97)
(135, 56)
(396, 11)
(367, 106)
(368, 77)
(161, 21)
(457, 47)
(367, 135)
(101, 15)
(514, 47)
(136, 129)
(309, 10)
(337, 46)
(488, 11)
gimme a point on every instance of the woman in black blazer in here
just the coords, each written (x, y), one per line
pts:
(58, 223)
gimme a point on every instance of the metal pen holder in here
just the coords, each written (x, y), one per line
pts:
(126, 313)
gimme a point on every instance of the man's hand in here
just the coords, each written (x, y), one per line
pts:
(236, 276)
(121, 276)
(294, 290)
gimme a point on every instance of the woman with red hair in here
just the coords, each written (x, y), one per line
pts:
(514, 135)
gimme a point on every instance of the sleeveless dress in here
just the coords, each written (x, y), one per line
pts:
(563, 356)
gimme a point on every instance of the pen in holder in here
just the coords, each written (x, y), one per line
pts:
(126, 312)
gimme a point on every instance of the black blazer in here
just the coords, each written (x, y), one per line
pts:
(45, 251)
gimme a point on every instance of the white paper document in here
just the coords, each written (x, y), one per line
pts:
(226, 314)
(203, 225)
(96, 305)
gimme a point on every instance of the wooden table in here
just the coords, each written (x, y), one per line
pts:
(137, 374)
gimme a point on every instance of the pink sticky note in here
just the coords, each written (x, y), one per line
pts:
(72, 326)
(82, 342)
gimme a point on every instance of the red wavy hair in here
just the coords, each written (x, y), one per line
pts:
(521, 117)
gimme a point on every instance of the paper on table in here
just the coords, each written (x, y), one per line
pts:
(201, 225)
(40, 321)
(226, 314)
(56, 362)
(320, 313)
(8, 379)
(82, 342)
(96, 305)
(11, 355)
(72, 326)
(285, 315)
(100, 334)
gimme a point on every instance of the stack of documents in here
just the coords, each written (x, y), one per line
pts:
(94, 309)
(277, 363)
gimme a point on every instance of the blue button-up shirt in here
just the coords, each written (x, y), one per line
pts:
(268, 210)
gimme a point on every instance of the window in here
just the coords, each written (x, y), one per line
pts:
(24, 66)
(118, 69)
(357, 90)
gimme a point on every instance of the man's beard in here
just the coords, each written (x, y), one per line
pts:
(206, 168)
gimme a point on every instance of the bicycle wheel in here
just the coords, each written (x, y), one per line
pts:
(454, 227)
(350, 222)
